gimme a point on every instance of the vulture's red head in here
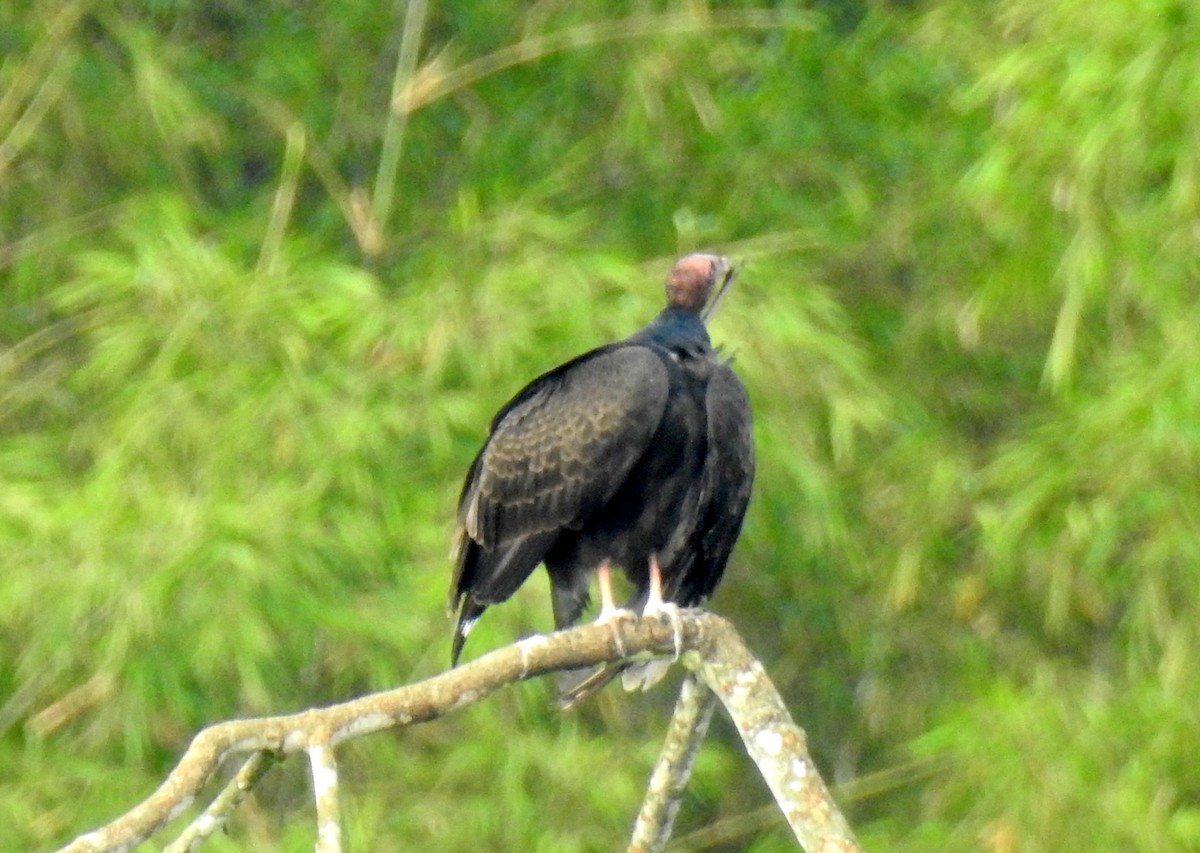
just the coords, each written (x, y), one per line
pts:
(692, 279)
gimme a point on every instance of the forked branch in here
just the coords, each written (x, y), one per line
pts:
(710, 646)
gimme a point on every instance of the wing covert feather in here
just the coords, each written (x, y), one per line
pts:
(565, 444)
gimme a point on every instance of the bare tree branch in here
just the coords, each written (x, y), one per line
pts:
(711, 647)
(689, 725)
(325, 792)
(776, 744)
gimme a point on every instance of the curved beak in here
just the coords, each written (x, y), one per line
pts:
(726, 272)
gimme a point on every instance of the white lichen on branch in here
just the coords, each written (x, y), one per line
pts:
(776, 744)
(325, 794)
(689, 724)
(215, 816)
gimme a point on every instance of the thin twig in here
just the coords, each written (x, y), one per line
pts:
(431, 82)
(397, 123)
(285, 198)
(734, 830)
(51, 236)
(353, 209)
(217, 814)
(689, 725)
(23, 130)
(32, 70)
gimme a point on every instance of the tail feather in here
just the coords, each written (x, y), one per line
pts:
(643, 676)
(483, 577)
(576, 686)
(568, 596)
(469, 611)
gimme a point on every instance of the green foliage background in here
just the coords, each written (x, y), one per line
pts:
(255, 321)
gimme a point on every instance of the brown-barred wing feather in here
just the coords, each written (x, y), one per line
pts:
(565, 448)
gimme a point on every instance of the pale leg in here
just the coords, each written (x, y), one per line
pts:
(655, 606)
(608, 609)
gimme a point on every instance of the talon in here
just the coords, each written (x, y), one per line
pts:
(655, 606)
(617, 614)
(616, 635)
(610, 614)
(672, 612)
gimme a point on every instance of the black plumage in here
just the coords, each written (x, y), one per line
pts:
(637, 454)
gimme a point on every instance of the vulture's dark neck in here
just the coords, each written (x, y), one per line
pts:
(675, 329)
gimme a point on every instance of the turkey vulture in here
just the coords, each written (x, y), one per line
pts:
(637, 454)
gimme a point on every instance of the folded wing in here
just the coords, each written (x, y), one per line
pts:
(556, 454)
